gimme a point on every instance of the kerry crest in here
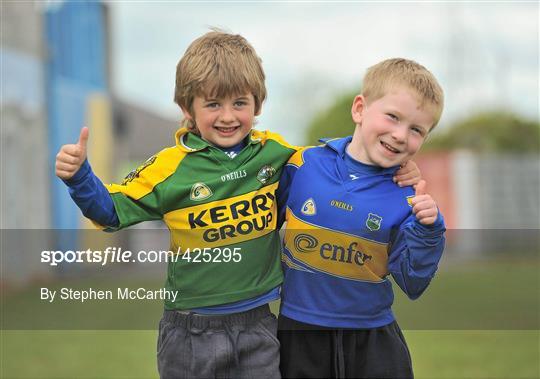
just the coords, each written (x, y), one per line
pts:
(265, 173)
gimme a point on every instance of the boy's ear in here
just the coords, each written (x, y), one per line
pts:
(186, 113)
(259, 111)
(357, 109)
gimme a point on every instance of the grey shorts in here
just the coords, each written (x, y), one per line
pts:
(239, 345)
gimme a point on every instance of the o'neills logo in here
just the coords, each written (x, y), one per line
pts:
(306, 243)
(341, 205)
(200, 191)
(234, 175)
(256, 215)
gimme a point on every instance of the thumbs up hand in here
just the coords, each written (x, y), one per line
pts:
(71, 157)
(424, 207)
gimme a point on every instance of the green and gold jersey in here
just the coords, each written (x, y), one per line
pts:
(209, 201)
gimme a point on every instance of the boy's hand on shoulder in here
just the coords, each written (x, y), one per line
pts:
(424, 207)
(408, 175)
(71, 156)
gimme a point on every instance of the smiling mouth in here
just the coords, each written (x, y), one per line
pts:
(228, 129)
(390, 148)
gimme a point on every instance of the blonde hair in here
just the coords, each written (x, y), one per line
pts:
(219, 64)
(385, 75)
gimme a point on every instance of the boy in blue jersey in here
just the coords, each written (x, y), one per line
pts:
(349, 227)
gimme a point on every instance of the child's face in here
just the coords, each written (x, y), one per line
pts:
(223, 122)
(391, 129)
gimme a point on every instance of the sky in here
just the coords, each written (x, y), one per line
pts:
(485, 54)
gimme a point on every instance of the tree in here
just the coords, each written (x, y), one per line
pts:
(495, 131)
(335, 121)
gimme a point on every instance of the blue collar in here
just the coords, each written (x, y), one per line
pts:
(236, 148)
(339, 145)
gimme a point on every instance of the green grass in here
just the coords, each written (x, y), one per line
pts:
(131, 354)
(19, 309)
(504, 354)
(497, 295)
(476, 321)
(78, 354)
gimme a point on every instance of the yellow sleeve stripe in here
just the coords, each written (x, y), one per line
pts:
(157, 169)
(297, 159)
(258, 135)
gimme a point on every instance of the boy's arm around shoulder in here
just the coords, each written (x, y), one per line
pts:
(285, 182)
(418, 246)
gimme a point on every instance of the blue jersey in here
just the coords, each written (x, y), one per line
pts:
(345, 235)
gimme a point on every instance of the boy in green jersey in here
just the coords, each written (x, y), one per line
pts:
(216, 192)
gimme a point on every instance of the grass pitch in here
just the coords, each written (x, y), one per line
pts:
(476, 321)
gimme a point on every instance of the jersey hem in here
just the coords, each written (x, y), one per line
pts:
(219, 299)
(335, 320)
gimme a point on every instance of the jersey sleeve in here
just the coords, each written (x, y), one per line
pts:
(91, 196)
(141, 195)
(415, 254)
(285, 183)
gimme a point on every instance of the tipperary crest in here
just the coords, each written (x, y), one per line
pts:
(200, 191)
(135, 173)
(373, 222)
(309, 208)
(265, 173)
